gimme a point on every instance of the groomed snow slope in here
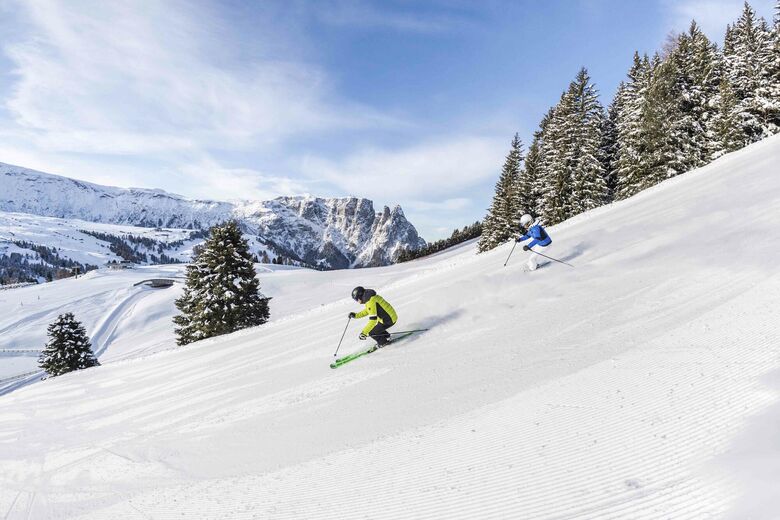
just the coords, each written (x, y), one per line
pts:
(130, 319)
(613, 390)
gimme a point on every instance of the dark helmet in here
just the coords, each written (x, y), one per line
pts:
(357, 294)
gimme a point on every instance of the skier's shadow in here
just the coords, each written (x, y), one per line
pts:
(575, 251)
(431, 322)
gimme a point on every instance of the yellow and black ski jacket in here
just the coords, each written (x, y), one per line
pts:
(377, 310)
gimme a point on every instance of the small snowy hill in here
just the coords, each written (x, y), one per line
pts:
(328, 232)
(627, 387)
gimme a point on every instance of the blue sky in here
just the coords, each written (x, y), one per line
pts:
(404, 102)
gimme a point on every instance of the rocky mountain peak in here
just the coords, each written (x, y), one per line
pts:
(331, 233)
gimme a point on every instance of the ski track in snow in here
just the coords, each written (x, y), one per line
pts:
(105, 329)
(608, 391)
(101, 336)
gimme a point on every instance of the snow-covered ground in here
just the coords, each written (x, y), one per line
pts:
(132, 319)
(641, 384)
(67, 236)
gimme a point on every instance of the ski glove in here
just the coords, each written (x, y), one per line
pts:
(526, 248)
(362, 336)
(351, 315)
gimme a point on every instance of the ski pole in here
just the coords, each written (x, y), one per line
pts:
(550, 258)
(407, 331)
(510, 253)
(342, 336)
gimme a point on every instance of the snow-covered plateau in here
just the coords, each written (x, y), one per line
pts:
(641, 384)
(72, 239)
(323, 232)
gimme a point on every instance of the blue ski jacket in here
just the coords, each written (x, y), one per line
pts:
(539, 235)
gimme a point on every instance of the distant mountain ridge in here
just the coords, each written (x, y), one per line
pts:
(331, 233)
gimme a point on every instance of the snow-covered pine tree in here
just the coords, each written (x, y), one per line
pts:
(528, 182)
(776, 17)
(556, 152)
(630, 165)
(486, 240)
(645, 141)
(588, 177)
(534, 172)
(68, 348)
(572, 173)
(663, 141)
(772, 70)
(608, 152)
(221, 294)
(514, 165)
(747, 53)
(502, 219)
(695, 76)
(726, 132)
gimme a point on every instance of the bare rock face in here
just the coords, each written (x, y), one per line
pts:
(332, 233)
(391, 233)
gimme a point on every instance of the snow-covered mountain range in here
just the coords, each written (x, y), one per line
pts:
(327, 232)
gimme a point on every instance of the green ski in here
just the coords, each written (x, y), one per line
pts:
(351, 357)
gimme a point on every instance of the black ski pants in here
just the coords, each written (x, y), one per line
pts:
(379, 333)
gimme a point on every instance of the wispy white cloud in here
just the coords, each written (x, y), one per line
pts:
(427, 171)
(447, 205)
(148, 77)
(712, 15)
(224, 183)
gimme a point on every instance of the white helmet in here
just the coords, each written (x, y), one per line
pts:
(526, 221)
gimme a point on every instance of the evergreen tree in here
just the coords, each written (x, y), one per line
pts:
(221, 292)
(514, 167)
(634, 162)
(573, 177)
(776, 17)
(68, 348)
(609, 142)
(503, 219)
(694, 71)
(589, 185)
(457, 237)
(666, 144)
(528, 182)
(771, 57)
(748, 57)
(726, 132)
(555, 158)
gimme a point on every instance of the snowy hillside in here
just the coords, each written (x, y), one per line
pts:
(333, 233)
(78, 240)
(95, 244)
(640, 384)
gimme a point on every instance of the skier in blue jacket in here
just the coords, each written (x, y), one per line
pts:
(540, 238)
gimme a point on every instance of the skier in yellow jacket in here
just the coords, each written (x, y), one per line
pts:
(381, 315)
